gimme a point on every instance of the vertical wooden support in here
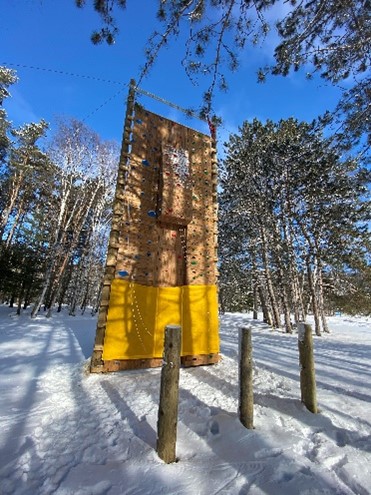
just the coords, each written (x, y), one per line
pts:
(169, 394)
(214, 178)
(246, 403)
(96, 365)
(307, 372)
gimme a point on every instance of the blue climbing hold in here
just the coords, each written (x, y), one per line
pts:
(123, 273)
(152, 213)
(145, 163)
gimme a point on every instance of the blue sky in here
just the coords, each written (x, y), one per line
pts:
(55, 35)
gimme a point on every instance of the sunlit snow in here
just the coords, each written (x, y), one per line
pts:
(65, 432)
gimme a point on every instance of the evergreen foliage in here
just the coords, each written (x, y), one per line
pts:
(291, 212)
(294, 219)
(332, 38)
(7, 78)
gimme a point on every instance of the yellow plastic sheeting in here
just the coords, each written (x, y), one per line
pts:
(138, 314)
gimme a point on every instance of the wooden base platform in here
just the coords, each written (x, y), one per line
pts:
(136, 364)
(200, 359)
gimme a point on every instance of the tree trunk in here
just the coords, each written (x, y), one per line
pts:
(13, 198)
(27, 295)
(297, 302)
(85, 300)
(221, 301)
(269, 283)
(313, 295)
(321, 299)
(287, 315)
(283, 273)
(266, 313)
(20, 298)
(284, 299)
(95, 308)
(19, 306)
(255, 301)
(47, 281)
(17, 221)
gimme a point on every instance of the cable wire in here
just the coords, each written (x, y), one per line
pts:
(64, 73)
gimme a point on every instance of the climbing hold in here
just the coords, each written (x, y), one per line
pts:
(123, 273)
(152, 213)
(145, 163)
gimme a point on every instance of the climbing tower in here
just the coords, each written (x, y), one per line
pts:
(161, 262)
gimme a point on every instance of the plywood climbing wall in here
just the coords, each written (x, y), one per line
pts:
(161, 265)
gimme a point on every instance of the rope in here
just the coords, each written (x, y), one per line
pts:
(102, 105)
(186, 111)
(137, 89)
(62, 72)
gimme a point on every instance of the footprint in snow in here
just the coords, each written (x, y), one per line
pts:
(268, 453)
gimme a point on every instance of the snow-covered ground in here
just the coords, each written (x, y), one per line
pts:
(63, 431)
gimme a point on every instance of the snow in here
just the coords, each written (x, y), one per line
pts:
(65, 432)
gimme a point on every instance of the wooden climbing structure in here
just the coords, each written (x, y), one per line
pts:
(161, 262)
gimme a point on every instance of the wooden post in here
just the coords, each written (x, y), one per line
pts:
(169, 393)
(246, 404)
(307, 372)
(96, 365)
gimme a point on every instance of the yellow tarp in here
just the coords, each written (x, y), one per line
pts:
(138, 314)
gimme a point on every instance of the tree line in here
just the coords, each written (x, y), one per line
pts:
(294, 217)
(55, 210)
(294, 211)
(293, 225)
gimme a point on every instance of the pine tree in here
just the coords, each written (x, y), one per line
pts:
(331, 38)
(290, 207)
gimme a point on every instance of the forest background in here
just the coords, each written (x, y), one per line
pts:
(294, 202)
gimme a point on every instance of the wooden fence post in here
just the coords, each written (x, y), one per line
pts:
(307, 372)
(246, 403)
(169, 394)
